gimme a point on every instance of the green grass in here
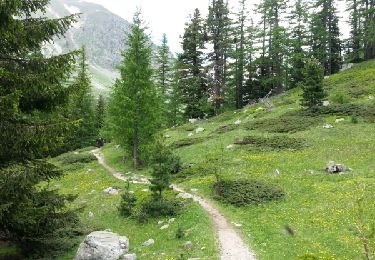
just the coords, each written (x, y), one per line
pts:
(320, 208)
(90, 181)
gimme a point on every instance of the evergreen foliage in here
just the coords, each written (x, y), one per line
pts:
(33, 93)
(81, 108)
(133, 109)
(100, 112)
(313, 92)
(193, 84)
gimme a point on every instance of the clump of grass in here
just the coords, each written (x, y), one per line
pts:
(272, 143)
(188, 142)
(340, 98)
(225, 129)
(356, 93)
(246, 192)
(284, 124)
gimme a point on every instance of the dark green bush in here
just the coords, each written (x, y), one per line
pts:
(75, 157)
(158, 207)
(128, 202)
(246, 192)
(188, 142)
(272, 143)
(284, 124)
(180, 233)
(225, 128)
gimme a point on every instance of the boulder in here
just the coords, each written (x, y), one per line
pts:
(102, 245)
(129, 257)
(332, 167)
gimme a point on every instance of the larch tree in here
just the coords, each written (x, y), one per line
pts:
(312, 86)
(369, 29)
(134, 106)
(33, 92)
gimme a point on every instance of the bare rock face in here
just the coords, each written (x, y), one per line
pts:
(332, 167)
(101, 245)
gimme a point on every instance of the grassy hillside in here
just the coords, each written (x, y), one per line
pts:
(291, 149)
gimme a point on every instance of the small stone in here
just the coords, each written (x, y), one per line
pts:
(326, 103)
(164, 227)
(328, 126)
(190, 134)
(91, 215)
(194, 190)
(145, 190)
(332, 167)
(193, 120)
(76, 153)
(171, 220)
(203, 248)
(149, 242)
(129, 257)
(160, 222)
(188, 245)
(193, 259)
(111, 191)
(338, 120)
(238, 225)
(238, 122)
(199, 130)
(167, 136)
(231, 146)
(371, 97)
(184, 195)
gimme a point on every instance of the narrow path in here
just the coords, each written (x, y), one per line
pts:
(232, 247)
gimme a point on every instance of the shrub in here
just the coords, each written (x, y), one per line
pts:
(225, 129)
(71, 158)
(158, 207)
(272, 143)
(180, 233)
(284, 124)
(128, 202)
(188, 142)
(340, 98)
(246, 192)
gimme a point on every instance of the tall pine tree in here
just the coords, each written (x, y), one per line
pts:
(33, 90)
(218, 31)
(133, 109)
(193, 85)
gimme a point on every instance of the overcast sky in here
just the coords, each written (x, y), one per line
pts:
(169, 16)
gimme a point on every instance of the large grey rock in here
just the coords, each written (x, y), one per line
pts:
(101, 245)
(129, 257)
(332, 167)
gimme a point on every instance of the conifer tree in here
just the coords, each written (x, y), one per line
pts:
(163, 66)
(218, 30)
(133, 109)
(175, 108)
(100, 112)
(369, 29)
(326, 44)
(312, 86)
(194, 90)
(250, 64)
(298, 20)
(33, 90)
(356, 32)
(82, 107)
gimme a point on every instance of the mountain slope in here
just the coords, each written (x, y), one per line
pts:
(100, 31)
(285, 146)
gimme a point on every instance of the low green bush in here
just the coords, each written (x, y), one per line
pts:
(246, 192)
(225, 129)
(272, 143)
(188, 141)
(340, 98)
(127, 203)
(75, 157)
(158, 207)
(284, 124)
